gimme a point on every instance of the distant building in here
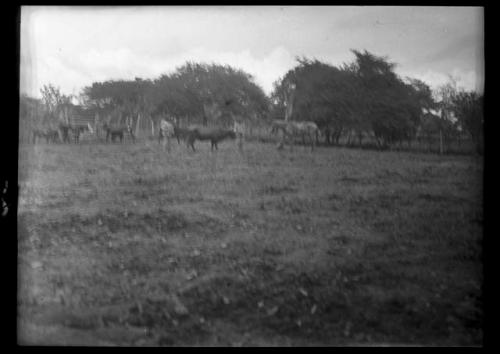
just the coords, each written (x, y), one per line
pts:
(78, 116)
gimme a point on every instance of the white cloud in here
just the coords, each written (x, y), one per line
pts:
(466, 79)
(71, 74)
(73, 47)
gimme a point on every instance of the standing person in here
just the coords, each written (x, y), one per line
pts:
(239, 129)
(166, 133)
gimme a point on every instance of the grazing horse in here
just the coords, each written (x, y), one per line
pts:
(118, 132)
(78, 130)
(239, 130)
(291, 129)
(215, 135)
(50, 135)
(182, 133)
(165, 133)
(64, 130)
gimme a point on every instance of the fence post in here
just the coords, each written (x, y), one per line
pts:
(137, 124)
(440, 142)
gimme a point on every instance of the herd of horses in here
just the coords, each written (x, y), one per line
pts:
(290, 131)
(63, 133)
(68, 133)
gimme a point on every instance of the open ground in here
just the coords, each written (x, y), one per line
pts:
(125, 244)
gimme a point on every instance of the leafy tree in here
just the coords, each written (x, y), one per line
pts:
(464, 109)
(56, 104)
(200, 91)
(119, 100)
(218, 93)
(323, 94)
(389, 107)
(468, 107)
(362, 97)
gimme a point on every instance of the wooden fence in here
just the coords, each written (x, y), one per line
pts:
(144, 131)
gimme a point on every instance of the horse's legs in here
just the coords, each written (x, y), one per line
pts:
(166, 143)
(281, 143)
(240, 142)
(190, 142)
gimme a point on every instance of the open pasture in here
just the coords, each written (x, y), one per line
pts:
(126, 244)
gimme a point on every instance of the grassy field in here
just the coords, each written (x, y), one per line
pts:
(128, 245)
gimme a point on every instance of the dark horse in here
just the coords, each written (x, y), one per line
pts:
(50, 135)
(182, 133)
(64, 129)
(118, 132)
(77, 131)
(215, 135)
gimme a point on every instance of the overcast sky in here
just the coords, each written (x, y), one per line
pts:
(71, 47)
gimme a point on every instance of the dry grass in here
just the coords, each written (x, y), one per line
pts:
(128, 245)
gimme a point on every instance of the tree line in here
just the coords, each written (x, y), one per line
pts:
(364, 99)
